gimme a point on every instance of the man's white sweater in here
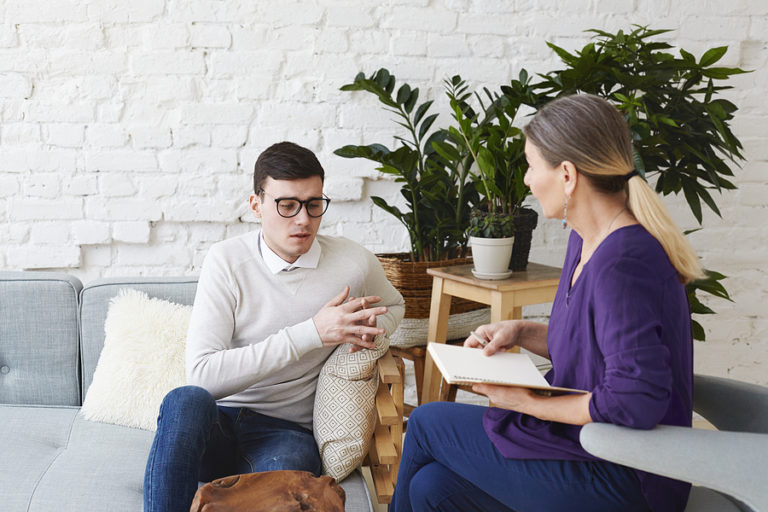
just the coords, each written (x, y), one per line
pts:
(252, 342)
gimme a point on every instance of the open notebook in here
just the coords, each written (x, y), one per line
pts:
(464, 365)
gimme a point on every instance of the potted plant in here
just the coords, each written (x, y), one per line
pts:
(491, 148)
(680, 127)
(436, 192)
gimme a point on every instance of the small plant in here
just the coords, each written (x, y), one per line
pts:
(488, 225)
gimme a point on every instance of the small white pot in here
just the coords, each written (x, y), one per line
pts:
(491, 255)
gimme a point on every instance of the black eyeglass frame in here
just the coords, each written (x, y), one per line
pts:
(305, 204)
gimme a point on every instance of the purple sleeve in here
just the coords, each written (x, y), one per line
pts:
(636, 386)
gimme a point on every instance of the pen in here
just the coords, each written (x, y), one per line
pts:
(482, 341)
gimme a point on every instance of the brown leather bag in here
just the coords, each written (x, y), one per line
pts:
(270, 491)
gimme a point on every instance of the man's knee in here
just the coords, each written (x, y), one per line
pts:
(189, 403)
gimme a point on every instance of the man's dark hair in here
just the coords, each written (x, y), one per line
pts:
(285, 161)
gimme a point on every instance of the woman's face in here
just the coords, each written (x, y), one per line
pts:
(546, 182)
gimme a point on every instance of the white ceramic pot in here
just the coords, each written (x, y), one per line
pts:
(491, 256)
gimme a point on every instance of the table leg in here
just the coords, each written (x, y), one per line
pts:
(439, 311)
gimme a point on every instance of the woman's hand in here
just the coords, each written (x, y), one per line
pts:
(500, 336)
(571, 409)
(507, 397)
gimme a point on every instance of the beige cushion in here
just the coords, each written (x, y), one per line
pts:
(142, 360)
(345, 407)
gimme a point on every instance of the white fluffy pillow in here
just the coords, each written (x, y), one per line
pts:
(142, 360)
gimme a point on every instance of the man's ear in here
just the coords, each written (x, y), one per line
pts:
(570, 177)
(255, 204)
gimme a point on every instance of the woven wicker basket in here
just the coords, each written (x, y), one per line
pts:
(412, 281)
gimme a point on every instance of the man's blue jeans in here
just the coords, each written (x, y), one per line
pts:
(449, 464)
(197, 440)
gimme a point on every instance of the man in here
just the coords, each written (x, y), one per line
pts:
(271, 306)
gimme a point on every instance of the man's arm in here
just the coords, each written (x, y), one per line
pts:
(211, 361)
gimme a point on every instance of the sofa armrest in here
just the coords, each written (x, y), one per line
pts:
(733, 463)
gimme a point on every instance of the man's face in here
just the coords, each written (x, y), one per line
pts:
(288, 237)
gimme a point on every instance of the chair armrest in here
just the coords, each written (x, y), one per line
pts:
(731, 405)
(733, 463)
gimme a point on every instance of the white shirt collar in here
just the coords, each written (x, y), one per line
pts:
(275, 263)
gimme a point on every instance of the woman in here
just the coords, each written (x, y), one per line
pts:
(620, 328)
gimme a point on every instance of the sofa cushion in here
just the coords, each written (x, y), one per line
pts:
(54, 459)
(39, 338)
(142, 360)
(94, 303)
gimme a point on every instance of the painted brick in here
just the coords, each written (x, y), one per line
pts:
(89, 232)
(216, 113)
(249, 37)
(208, 35)
(106, 135)
(344, 189)
(116, 185)
(164, 63)
(8, 35)
(20, 134)
(66, 135)
(351, 16)
(45, 185)
(187, 136)
(106, 11)
(37, 209)
(82, 185)
(292, 14)
(150, 137)
(41, 11)
(31, 257)
(141, 254)
(229, 136)
(121, 209)
(332, 41)
(205, 210)
(155, 187)
(417, 18)
(56, 233)
(32, 159)
(15, 85)
(447, 46)
(120, 160)
(199, 160)
(9, 185)
(131, 232)
(109, 112)
(293, 38)
(233, 63)
(58, 113)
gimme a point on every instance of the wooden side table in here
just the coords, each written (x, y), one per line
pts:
(536, 285)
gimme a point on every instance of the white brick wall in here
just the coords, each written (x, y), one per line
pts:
(128, 130)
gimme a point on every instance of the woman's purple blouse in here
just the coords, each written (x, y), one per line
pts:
(623, 332)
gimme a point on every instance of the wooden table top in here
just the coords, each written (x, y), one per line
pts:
(536, 275)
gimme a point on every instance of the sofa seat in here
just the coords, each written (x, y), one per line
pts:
(54, 459)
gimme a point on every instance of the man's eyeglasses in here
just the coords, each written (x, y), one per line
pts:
(290, 206)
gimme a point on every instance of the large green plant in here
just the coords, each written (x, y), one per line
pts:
(680, 128)
(436, 192)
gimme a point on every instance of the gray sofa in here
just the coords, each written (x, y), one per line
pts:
(51, 335)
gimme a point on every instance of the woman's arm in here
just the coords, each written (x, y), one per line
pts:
(571, 409)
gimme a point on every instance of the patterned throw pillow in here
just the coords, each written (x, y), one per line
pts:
(345, 407)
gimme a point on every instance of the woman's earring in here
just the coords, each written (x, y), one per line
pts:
(564, 222)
